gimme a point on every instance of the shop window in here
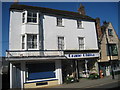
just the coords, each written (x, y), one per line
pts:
(112, 48)
(40, 71)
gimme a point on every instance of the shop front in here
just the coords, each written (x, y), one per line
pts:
(80, 64)
(35, 73)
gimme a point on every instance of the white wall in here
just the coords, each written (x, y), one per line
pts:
(15, 30)
(69, 32)
(51, 32)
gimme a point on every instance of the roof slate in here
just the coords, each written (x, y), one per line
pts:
(49, 11)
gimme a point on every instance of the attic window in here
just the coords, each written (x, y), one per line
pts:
(110, 32)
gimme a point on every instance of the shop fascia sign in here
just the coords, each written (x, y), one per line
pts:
(82, 55)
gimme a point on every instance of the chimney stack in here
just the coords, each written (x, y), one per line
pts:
(99, 31)
(16, 1)
(81, 10)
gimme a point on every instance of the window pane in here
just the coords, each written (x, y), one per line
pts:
(60, 43)
(79, 24)
(23, 18)
(32, 17)
(23, 42)
(113, 50)
(59, 21)
(110, 32)
(32, 41)
(40, 71)
(81, 43)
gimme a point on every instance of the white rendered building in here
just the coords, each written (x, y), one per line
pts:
(46, 45)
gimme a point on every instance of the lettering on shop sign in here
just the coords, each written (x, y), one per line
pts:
(85, 55)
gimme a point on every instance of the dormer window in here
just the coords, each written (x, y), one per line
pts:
(59, 21)
(110, 32)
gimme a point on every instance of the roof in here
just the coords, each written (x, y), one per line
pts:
(49, 11)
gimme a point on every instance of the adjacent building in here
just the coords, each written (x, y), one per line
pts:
(47, 45)
(108, 44)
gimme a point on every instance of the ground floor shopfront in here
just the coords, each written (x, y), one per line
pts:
(108, 66)
(35, 72)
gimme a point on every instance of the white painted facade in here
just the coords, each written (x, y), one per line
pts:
(51, 32)
(47, 33)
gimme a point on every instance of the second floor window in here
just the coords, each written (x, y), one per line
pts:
(59, 21)
(23, 17)
(110, 32)
(79, 24)
(60, 43)
(81, 43)
(32, 41)
(32, 17)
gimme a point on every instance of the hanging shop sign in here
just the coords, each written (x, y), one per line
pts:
(82, 55)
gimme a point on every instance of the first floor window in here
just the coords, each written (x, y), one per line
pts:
(81, 43)
(23, 42)
(112, 50)
(32, 41)
(60, 43)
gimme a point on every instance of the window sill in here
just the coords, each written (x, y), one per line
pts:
(80, 28)
(30, 23)
(60, 26)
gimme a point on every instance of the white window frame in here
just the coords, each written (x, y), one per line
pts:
(23, 42)
(110, 34)
(59, 21)
(31, 42)
(26, 17)
(81, 44)
(79, 24)
(61, 42)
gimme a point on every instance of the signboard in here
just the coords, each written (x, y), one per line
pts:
(82, 55)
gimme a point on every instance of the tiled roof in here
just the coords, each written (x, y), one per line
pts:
(49, 11)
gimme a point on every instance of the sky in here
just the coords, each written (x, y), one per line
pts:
(106, 11)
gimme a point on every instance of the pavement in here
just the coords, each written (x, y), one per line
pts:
(106, 82)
